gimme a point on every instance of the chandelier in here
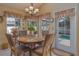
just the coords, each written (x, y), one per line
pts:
(31, 10)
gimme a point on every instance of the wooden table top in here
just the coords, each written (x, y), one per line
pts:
(26, 39)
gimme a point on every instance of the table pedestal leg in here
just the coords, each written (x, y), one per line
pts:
(30, 53)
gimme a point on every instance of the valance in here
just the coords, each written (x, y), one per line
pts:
(14, 14)
(68, 12)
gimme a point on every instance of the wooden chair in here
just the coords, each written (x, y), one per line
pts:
(22, 33)
(14, 35)
(45, 50)
(16, 50)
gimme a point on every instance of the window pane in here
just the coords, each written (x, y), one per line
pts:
(10, 24)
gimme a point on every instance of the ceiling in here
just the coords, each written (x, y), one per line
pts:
(20, 6)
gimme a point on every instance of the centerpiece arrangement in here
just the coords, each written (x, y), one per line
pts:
(32, 28)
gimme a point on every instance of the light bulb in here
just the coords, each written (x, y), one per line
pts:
(30, 12)
(34, 12)
(26, 9)
(31, 8)
(37, 10)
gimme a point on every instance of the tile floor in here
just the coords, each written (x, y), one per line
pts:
(55, 52)
(6, 52)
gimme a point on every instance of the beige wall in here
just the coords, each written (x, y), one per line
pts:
(10, 9)
(77, 28)
(55, 7)
(46, 8)
(2, 33)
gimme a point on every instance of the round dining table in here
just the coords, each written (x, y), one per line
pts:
(31, 41)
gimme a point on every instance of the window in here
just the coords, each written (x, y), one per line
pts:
(10, 24)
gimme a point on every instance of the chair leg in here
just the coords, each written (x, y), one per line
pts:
(50, 51)
(30, 54)
(11, 53)
(23, 54)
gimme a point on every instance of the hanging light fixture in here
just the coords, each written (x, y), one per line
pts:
(31, 10)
